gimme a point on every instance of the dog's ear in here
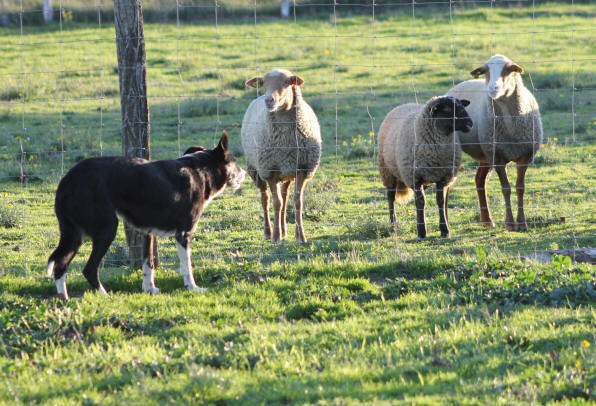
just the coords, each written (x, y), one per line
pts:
(223, 142)
(192, 150)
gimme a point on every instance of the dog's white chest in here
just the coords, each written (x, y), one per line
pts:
(149, 230)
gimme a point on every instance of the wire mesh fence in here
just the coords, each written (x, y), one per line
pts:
(60, 103)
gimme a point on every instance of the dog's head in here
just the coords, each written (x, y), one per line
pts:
(220, 158)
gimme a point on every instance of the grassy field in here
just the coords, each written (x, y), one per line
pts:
(360, 314)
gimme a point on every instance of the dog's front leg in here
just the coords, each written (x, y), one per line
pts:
(183, 245)
(149, 266)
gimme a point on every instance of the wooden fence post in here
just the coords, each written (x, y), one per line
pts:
(132, 70)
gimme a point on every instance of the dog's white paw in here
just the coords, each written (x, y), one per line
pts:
(197, 289)
(152, 290)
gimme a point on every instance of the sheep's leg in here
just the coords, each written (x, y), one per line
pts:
(265, 204)
(506, 189)
(391, 200)
(284, 204)
(442, 191)
(481, 175)
(420, 200)
(520, 187)
(447, 192)
(275, 192)
(301, 180)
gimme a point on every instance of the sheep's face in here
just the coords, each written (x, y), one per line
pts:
(279, 87)
(450, 115)
(499, 73)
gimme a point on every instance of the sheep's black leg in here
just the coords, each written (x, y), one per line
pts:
(506, 189)
(420, 200)
(391, 201)
(481, 175)
(442, 191)
(520, 186)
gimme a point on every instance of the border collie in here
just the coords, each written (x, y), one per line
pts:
(157, 198)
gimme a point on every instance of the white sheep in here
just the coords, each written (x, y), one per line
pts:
(507, 127)
(418, 145)
(281, 139)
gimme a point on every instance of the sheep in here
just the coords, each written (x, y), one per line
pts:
(507, 127)
(418, 145)
(281, 139)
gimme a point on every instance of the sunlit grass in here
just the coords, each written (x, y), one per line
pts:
(361, 314)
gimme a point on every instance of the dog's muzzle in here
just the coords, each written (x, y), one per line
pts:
(238, 178)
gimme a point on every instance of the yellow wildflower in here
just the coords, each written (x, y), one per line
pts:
(585, 344)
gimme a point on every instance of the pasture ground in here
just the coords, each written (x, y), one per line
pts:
(359, 315)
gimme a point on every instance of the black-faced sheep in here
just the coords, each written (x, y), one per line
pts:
(281, 139)
(507, 127)
(418, 145)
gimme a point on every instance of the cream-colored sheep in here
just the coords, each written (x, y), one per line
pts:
(507, 127)
(281, 139)
(418, 145)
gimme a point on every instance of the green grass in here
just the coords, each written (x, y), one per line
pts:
(359, 315)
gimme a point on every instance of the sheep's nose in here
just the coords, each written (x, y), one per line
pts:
(494, 90)
(269, 101)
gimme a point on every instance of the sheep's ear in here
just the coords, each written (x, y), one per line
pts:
(296, 80)
(481, 70)
(464, 102)
(516, 68)
(192, 150)
(254, 82)
(223, 142)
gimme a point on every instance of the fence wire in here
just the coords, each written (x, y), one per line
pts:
(60, 103)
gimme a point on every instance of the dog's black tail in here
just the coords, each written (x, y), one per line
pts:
(70, 241)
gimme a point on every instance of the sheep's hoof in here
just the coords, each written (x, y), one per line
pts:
(510, 226)
(521, 227)
(301, 240)
(488, 224)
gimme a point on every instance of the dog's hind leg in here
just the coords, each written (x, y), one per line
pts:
(101, 239)
(70, 241)
(149, 265)
(183, 245)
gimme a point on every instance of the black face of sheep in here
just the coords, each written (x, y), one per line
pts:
(451, 115)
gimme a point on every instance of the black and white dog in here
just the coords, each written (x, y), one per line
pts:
(158, 198)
